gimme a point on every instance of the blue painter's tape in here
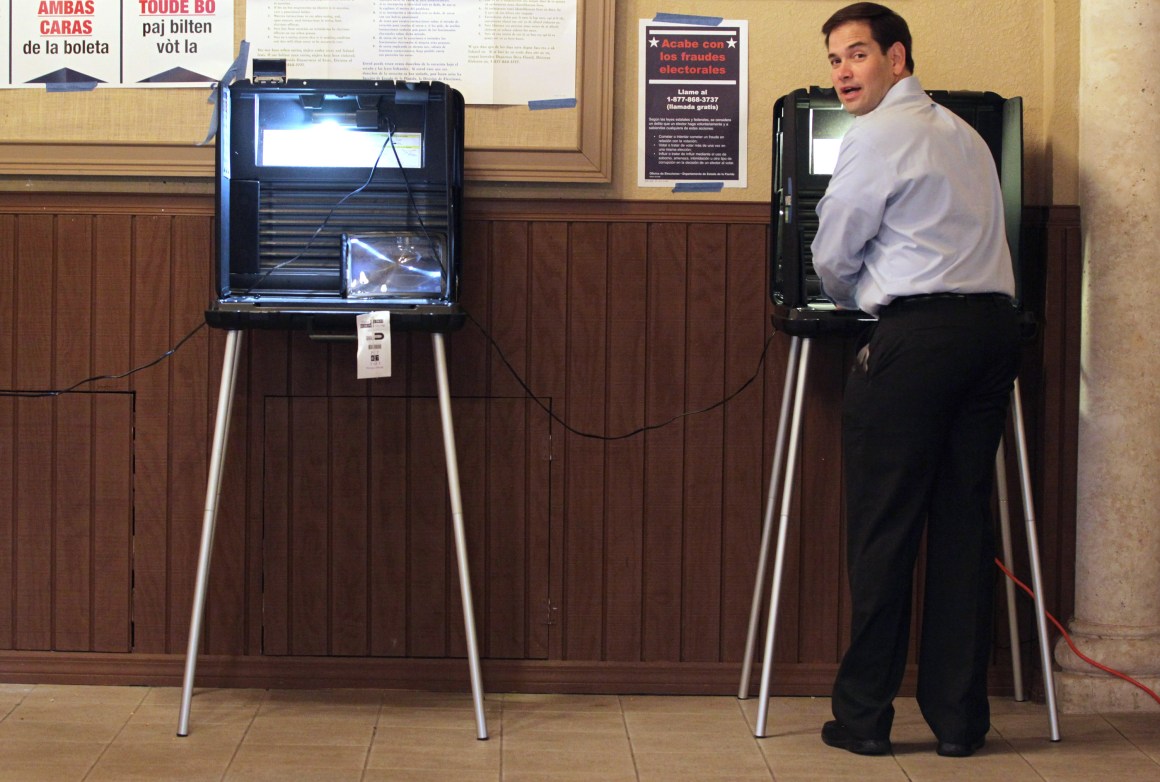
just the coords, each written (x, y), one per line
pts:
(703, 21)
(698, 187)
(552, 103)
(70, 86)
(237, 68)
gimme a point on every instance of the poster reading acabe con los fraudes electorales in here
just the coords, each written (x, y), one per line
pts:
(693, 104)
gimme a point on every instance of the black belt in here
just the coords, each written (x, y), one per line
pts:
(980, 298)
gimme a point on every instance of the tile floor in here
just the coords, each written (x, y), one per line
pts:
(126, 734)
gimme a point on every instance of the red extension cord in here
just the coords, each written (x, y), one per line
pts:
(1070, 643)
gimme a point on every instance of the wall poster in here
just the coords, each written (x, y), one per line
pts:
(693, 107)
(81, 44)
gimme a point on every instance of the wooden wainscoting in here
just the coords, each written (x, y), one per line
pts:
(604, 558)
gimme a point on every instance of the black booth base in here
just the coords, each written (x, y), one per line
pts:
(808, 322)
(333, 323)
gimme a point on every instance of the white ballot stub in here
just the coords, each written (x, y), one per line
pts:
(373, 330)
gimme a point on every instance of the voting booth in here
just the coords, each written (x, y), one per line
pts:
(335, 200)
(808, 128)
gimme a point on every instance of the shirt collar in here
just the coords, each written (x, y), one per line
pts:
(904, 90)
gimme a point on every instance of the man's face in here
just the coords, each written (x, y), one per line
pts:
(862, 73)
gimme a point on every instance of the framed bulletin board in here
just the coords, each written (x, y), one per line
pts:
(161, 132)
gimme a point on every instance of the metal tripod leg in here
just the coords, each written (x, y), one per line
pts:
(783, 526)
(1033, 552)
(767, 525)
(798, 366)
(460, 537)
(1008, 561)
(212, 494)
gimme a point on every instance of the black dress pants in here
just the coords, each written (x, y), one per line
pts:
(923, 414)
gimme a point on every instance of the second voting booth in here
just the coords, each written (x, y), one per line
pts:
(808, 128)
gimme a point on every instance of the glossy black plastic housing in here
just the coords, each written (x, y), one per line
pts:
(285, 219)
(806, 117)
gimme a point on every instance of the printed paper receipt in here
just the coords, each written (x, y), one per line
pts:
(493, 51)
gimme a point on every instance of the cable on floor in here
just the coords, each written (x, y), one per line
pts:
(1071, 643)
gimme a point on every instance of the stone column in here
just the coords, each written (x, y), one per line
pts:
(1117, 604)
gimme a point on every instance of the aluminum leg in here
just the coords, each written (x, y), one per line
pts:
(1036, 573)
(212, 495)
(802, 364)
(767, 524)
(1008, 561)
(460, 537)
(783, 526)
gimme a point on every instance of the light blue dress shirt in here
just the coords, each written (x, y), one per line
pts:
(913, 207)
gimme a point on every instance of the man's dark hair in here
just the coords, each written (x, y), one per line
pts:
(886, 27)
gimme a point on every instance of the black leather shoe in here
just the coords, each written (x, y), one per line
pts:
(951, 749)
(835, 734)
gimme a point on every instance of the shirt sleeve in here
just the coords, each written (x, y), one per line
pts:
(849, 217)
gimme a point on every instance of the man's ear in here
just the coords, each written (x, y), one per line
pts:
(897, 56)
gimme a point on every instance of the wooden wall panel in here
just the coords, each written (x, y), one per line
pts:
(819, 541)
(745, 427)
(113, 426)
(661, 570)
(585, 363)
(624, 457)
(308, 519)
(360, 559)
(72, 439)
(430, 569)
(32, 453)
(387, 543)
(8, 423)
(544, 244)
(150, 286)
(32, 541)
(67, 459)
(351, 557)
(72, 481)
(190, 416)
(613, 562)
(504, 466)
(111, 532)
(265, 373)
(276, 540)
(497, 264)
(235, 583)
(703, 475)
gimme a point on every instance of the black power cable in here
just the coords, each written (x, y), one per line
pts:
(36, 393)
(639, 430)
(40, 393)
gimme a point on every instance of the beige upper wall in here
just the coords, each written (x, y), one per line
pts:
(1062, 54)
(1012, 47)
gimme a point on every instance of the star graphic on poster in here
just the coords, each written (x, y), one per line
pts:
(732, 43)
(653, 42)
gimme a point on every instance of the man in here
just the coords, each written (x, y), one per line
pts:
(911, 230)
